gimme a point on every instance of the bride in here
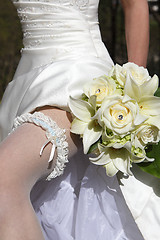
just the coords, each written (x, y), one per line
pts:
(62, 50)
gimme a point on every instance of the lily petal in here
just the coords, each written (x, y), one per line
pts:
(150, 159)
(96, 158)
(121, 162)
(97, 117)
(140, 119)
(132, 89)
(92, 101)
(81, 109)
(78, 126)
(150, 105)
(149, 87)
(155, 120)
(91, 135)
(104, 159)
(126, 98)
(111, 170)
(116, 145)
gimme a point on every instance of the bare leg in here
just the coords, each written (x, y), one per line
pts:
(20, 167)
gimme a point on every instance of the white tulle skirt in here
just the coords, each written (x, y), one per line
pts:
(83, 204)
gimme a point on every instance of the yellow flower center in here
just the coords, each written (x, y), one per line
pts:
(119, 112)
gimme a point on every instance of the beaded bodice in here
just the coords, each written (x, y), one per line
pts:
(58, 29)
(48, 22)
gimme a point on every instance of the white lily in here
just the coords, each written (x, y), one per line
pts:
(119, 159)
(113, 160)
(83, 123)
(149, 106)
(135, 91)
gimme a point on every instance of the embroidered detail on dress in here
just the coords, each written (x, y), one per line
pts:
(30, 14)
(77, 3)
(80, 3)
(54, 134)
(34, 43)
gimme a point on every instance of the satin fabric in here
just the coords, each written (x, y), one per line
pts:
(62, 50)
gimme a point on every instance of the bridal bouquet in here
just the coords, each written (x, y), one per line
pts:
(118, 117)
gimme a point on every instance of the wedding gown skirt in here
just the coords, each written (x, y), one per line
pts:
(62, 50)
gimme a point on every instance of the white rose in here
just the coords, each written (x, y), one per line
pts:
(120, 114)
(101, 87)
(119, 74)
(137, 73)
(148, 134)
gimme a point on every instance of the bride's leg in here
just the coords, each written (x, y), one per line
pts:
(20, 167)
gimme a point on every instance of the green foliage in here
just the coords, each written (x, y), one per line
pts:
(152, 167)
(158, 92)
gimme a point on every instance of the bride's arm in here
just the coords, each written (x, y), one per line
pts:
(137, 30)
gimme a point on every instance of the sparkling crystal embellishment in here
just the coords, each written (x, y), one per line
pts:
(120, 117)
(98, 91)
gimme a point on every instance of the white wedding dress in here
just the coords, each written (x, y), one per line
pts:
(62, 50)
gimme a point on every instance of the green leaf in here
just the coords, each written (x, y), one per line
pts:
(157, 93)
(93, 147)
(84, 97)
(152, 167)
